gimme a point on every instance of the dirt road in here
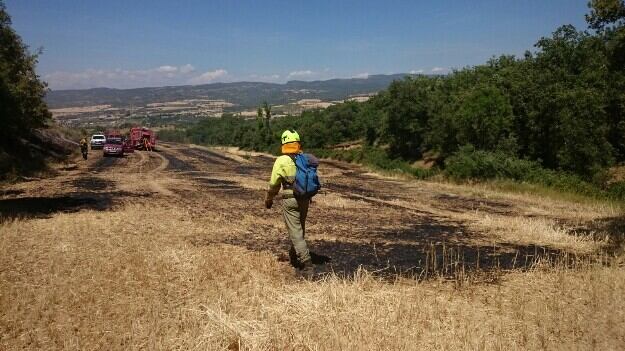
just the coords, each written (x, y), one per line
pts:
(363, 219)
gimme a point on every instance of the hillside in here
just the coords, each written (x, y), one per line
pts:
(242, 94)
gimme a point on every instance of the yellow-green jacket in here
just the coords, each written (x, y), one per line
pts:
(282, 175)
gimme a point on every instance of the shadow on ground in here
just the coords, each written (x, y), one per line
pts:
(46, 207)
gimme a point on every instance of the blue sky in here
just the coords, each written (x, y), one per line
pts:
(133, 43)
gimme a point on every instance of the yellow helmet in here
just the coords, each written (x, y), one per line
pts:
(289, 136)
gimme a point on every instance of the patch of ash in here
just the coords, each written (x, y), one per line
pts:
(92, 183)
(178, 165)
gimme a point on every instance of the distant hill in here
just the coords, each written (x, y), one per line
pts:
(243, 94)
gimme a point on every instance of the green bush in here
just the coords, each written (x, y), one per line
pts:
(617, 191)
(376, 158)
(471, 164)
(468, 163)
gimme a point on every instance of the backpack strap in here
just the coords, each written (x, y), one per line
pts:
(286, 184)
(294, 158)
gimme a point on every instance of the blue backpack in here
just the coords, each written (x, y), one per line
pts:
(306, 180)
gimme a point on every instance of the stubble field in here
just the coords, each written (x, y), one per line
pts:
(174, 250)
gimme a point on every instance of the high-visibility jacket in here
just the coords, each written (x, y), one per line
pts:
(282, 176)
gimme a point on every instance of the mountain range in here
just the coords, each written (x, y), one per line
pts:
(242, 94)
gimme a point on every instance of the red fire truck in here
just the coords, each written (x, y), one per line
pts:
(142, 138)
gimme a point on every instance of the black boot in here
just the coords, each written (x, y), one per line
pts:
(306, 270)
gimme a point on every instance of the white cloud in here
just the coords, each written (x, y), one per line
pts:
(186, 68)
(416, 71)
(438, 69)
(167, 69)
(208, 77)
(303, 73)
(120, 78)
(361, 75)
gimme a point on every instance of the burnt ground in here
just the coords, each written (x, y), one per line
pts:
(387, 226)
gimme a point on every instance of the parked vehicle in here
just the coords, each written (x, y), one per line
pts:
(142, 138)
(127, 146)
(97, 141)
(114, 145)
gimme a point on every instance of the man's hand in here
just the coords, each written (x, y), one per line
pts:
(268, 203)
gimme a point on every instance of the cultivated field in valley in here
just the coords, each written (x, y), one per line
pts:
(174, 250)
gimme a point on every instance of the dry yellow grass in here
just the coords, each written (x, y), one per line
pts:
(157, 274)
(88, 281)
(538, 231)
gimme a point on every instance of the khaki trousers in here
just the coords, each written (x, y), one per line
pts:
(295, 212)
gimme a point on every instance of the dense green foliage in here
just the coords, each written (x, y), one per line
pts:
(321, 128)
(21, 92)
(555, 116)
(22, 108)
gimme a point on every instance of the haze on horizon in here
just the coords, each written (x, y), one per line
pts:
(129, 44)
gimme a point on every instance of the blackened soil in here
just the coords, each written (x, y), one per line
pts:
(203, 156)
(176, 164)
(103, 163)
(93, 184)
(46, 206)
(217, 184)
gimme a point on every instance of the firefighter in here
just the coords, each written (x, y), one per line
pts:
(294, 210)
(84, 147)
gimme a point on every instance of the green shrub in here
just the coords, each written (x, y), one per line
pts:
(468, 163)
(376, 158)
(617, 191)
(471, 164)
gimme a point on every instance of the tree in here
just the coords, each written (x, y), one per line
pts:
(483, 118)
(606, 14)
(266, 136)
(21, 92)
(406, 117)
(607, 17)
(267, 111)
(569, 118)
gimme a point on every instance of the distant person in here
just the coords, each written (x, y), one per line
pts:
(84, 147)
(296, 173)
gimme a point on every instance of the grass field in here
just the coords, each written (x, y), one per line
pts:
(174, 250)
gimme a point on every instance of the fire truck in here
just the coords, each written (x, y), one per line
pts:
(142, 138)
